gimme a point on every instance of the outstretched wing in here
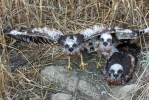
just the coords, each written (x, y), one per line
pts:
(129, 34)
(119, 32)
(94, 31)
(37, 35)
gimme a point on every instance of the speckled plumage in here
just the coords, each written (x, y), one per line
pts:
(120, 66)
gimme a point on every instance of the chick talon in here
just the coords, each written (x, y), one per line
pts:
(83, 64)
(99, 62)
(98, 65)
(69, 67)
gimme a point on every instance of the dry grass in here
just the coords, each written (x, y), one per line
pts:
(68, 16)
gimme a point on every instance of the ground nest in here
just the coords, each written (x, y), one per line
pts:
(22, 65)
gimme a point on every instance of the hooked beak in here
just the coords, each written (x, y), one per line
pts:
(105, 43)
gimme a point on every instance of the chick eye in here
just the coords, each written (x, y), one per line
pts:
(66, 46)
(111, 71)
(74, 45)
(109, 40)
(98, 37)
(90, 44)
(101, 39)
(120, 71)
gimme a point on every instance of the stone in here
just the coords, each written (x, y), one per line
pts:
(126, 91)
(61, 96)
(123, 92)
(69, 80)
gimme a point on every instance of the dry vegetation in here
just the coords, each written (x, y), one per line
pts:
(20, 63)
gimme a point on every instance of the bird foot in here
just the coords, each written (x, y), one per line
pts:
(99, 62)
(69, 67)
(98, 65)
(83, 64)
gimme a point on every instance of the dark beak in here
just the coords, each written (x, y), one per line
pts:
(91, 48)
(70, 49)
(105, 43)
(115, 76)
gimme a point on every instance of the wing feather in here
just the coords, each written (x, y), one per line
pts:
(120, 33)
(128, 33)
(37, 35)
(94, 31)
